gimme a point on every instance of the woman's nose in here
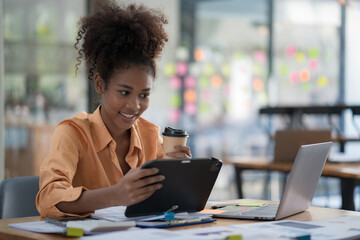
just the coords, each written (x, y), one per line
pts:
(134, 104)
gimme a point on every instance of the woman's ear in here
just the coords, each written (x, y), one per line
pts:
(99, 84)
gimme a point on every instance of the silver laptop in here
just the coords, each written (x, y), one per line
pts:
(298, 192)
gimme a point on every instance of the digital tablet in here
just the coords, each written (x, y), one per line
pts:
(186, 188)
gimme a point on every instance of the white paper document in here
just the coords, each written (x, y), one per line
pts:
(117, 214)
(40, 226)
(338, 228)
(148, 233)
(332, 229)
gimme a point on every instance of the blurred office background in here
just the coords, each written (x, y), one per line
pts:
(225, 59)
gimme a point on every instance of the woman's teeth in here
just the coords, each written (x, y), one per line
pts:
(127, 115)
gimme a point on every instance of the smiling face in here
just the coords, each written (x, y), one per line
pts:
(124, 98)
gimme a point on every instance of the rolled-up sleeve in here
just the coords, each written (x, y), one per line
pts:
(57, 172)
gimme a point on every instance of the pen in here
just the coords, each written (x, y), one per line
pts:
(61, 221)
(54, 221)
(222, 205)
(173, 208)
(183, 221)
(217, 207)
(251, 204)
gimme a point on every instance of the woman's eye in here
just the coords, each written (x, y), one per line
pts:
(144, 95)
(123, 92)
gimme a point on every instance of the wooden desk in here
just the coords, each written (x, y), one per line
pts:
(348, 173)
(313, 213)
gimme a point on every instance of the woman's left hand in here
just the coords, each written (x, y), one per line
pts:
(180, 152)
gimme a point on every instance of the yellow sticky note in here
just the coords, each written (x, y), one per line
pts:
(234, 237)
(74, 232)
(250, 204)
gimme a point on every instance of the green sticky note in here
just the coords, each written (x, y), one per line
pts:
(234, 237)
(250, 204)
(74, 232)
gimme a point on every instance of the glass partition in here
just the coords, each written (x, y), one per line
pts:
(40, 84)
(306, 52)
(227, 76)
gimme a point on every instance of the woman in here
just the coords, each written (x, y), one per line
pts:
(95, 158)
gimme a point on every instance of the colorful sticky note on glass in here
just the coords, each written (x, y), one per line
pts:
(216, 81)
(290, 51)
(181, 68)
(209, 69)
(190, 108)
(190, 82)
(199, 55)
(313, 64)
(260, 56)
(300, 57)
(204, 108)
(43, 29)
(239, 55)
(322, 81)
(175, 83)
(284, 70)
(225, 69)
(204, 82)
(313, 53)
(305, 86)
(304, 75)
(258, 84)
(175, 101)
(174, 115)
(257, 69)
(190, 95)
(294, 77)
(169, 69)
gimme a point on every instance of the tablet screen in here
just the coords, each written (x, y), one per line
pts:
(187, 185)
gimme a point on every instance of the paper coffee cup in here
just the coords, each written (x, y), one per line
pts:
(173, 137)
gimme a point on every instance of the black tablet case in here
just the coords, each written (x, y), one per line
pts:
(188, 184)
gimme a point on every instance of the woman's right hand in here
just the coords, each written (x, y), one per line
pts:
(137, 185)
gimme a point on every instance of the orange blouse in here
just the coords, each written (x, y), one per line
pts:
(82, 156)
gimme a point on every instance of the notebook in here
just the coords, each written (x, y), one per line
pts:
(186, 187)
(298, 192)
(288, 142)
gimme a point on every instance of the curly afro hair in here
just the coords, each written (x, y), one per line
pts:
(115, 38)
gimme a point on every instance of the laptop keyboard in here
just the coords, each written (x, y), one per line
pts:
(267, 210)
